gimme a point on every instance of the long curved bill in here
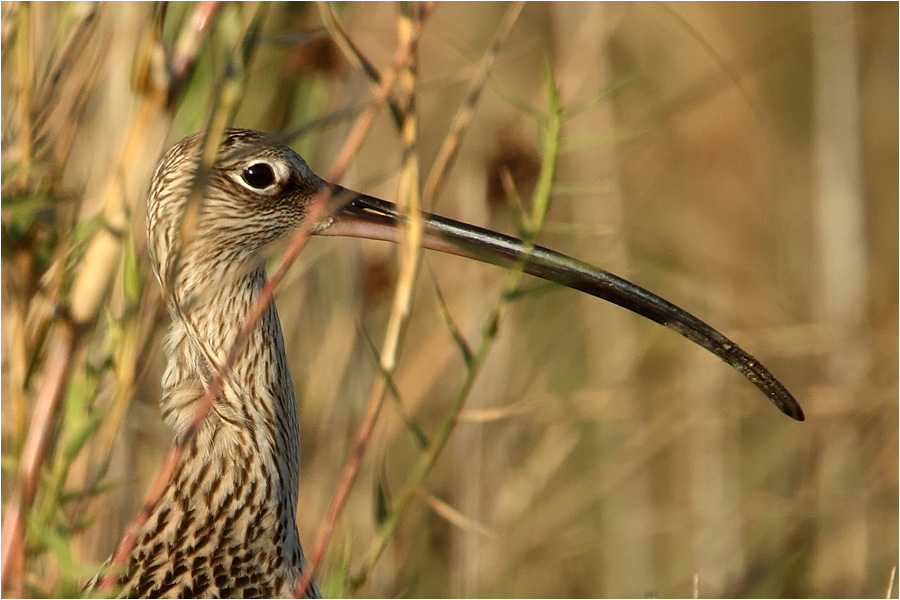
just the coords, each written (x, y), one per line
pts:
(372, 218)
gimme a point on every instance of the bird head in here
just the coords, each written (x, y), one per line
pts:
(206, 226)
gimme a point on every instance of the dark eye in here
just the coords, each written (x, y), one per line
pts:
(259, 176)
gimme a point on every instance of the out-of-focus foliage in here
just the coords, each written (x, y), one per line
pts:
(740, 160)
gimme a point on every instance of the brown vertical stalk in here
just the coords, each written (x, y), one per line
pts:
(840, 564)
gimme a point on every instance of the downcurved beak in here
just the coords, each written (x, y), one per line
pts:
(372, 218)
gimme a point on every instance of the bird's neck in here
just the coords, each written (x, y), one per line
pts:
(256, 399)
(234, 491)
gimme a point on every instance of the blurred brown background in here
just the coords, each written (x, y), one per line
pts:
(738, 159)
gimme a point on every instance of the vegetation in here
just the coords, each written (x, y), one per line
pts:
(519, 440)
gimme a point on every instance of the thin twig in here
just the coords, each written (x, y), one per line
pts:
(453, 140)
(451, 515)
(46, 406)
(341, 37)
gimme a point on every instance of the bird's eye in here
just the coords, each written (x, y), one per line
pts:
(259, 176)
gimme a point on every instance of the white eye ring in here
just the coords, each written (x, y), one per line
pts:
(262, 176)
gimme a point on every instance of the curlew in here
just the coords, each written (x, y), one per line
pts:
(225, 525)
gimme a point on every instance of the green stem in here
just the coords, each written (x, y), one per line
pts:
(532, 224)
